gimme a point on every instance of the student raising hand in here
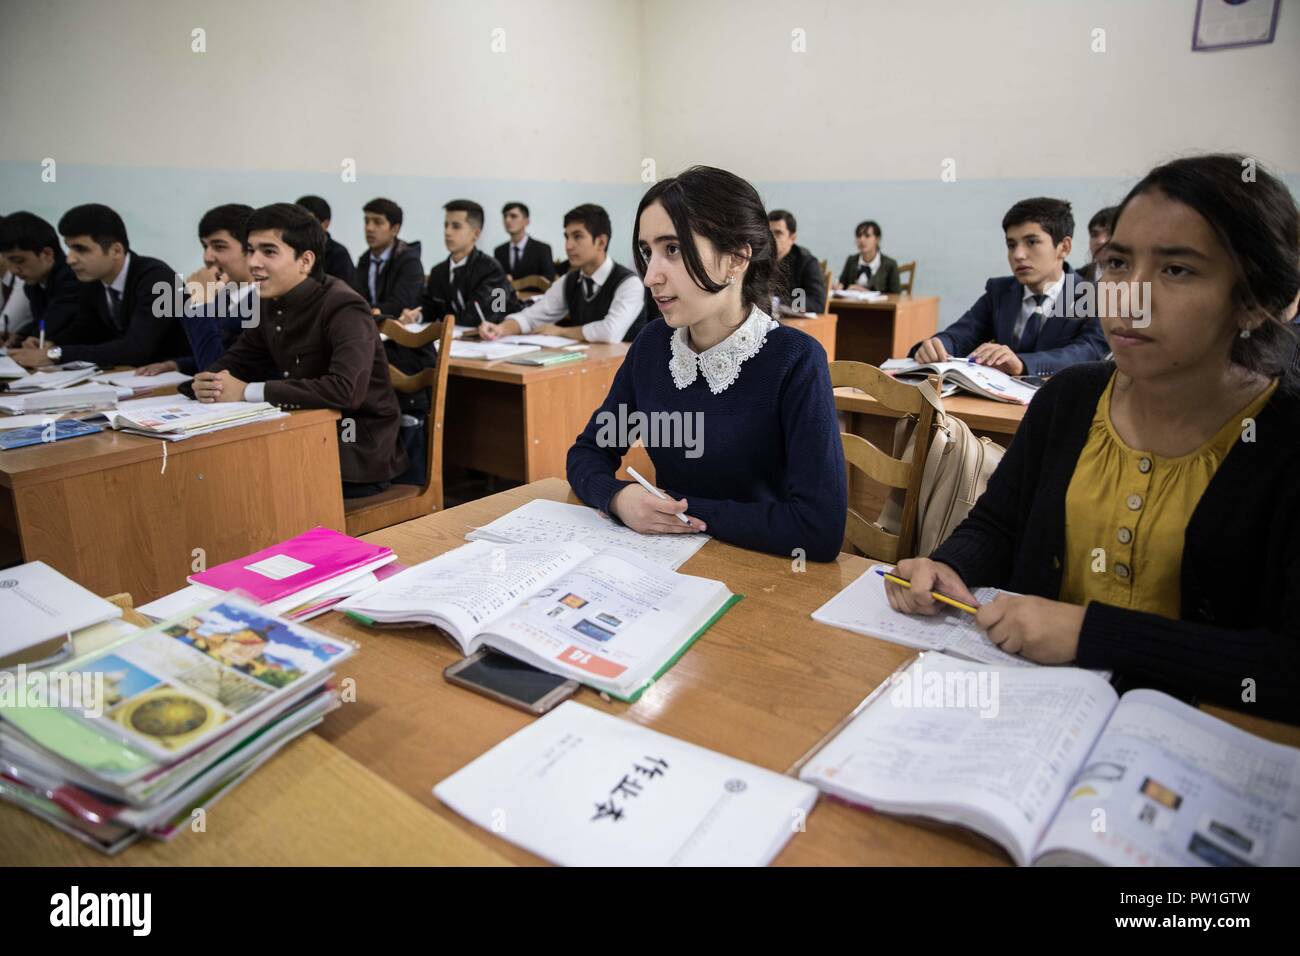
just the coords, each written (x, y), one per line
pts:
(643, 512)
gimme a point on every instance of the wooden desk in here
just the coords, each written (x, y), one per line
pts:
(820, 327)
(310, 805)
(860, 414)
(764, 685)
(874, 331)
(518, 421)
(118, 512)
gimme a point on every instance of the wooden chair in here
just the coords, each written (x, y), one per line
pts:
(531, 284)
(399, 503)
(561, 267)
(867, 536)
(905, 284)
(828, 278)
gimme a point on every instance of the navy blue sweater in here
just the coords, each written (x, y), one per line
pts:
(768, 471)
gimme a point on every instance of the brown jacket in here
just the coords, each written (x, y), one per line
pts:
(317, 346)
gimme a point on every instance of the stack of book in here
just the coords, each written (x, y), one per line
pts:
(174, 418)
(299, 578)
(142, 735)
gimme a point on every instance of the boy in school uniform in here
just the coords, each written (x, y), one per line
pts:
(803, 273)
(522, 255)
(222, 298)
(316, 346)
(469, 284)
(389, 274)
(1027, 323)
(117, 322)
(30, 247)
(870, 268)
(1098, 235)
(597, 301)
(338, 261)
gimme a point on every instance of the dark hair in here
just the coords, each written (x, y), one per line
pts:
(868, 226)
(1103, 219)
(299, 230)
(593, 218)
(386, 208)
(516, 205)
(1052, 214)
(727, 211)
(1257, 222)
(473, 211)
(232, 217)
(98, 221)
(315, 205)
(29, 232)
(782, 215)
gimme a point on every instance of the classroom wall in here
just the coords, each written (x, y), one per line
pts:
(420, 94)
(856, 126)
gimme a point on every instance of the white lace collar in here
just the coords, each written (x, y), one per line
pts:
(720, 364)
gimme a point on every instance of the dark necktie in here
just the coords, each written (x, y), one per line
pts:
(1029, 337)
(114, 305)
(588, 288)
(864, 274)
(515, 255)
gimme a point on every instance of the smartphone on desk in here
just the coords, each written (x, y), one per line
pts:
(511, 682)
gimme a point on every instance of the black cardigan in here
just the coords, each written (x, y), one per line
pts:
(1240, 577)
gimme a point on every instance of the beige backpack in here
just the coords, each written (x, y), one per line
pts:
(957, 470)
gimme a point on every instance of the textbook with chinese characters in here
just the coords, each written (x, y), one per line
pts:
(584, 788)
(982, 380)
(1054, 766)
(610, 619)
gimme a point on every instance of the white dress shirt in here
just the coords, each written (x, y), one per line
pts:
(17, 313)
(629, 300)
(517, 254)
(873, 265)
(376, 266)
(118, 284)
(1027, 306)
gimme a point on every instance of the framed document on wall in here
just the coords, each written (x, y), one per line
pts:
(1223, 24)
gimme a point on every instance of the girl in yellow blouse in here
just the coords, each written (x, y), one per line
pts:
(1149, 509)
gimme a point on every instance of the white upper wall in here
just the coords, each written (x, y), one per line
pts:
(405, 87)
(888, 90)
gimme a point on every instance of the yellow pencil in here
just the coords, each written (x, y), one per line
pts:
(953, 602)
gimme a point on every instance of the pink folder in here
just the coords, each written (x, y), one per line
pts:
(292, 566)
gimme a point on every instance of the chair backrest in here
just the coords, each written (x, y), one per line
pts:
(906, 277)
(828, 277)
(531, 284)
(868, 536)
(433, 378)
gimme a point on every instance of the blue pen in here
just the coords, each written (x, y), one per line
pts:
(42, 333)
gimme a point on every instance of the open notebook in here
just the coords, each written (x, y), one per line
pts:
(979, 380)
(610, 619)
(1052, 765)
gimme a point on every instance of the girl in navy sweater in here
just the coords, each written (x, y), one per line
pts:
(735, 410)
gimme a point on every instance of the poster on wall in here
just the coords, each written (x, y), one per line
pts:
(1223, 24)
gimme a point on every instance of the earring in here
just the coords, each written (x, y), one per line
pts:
(1245, 333)
(731, 280)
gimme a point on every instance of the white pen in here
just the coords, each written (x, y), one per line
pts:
(654, 491)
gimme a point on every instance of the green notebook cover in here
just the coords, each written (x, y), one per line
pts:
(680, 651)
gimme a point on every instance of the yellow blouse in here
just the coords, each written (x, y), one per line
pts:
(1126, 513)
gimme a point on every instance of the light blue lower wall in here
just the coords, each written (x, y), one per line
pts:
(952, 230)
(161, 207)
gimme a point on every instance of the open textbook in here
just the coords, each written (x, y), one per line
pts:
(542, 520)
(611, 619)
(584, 788)
(982, 380)
(1056, 768)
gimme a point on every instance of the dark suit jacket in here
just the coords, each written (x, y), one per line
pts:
(398, 284)
(537, 260)
(318, 347)
(338, 261)
(1063, 340)
(138, 336)
(885, 279)
(58, 301)
(801, 270)
(479, 280)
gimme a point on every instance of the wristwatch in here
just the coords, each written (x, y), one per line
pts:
(54, 353)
